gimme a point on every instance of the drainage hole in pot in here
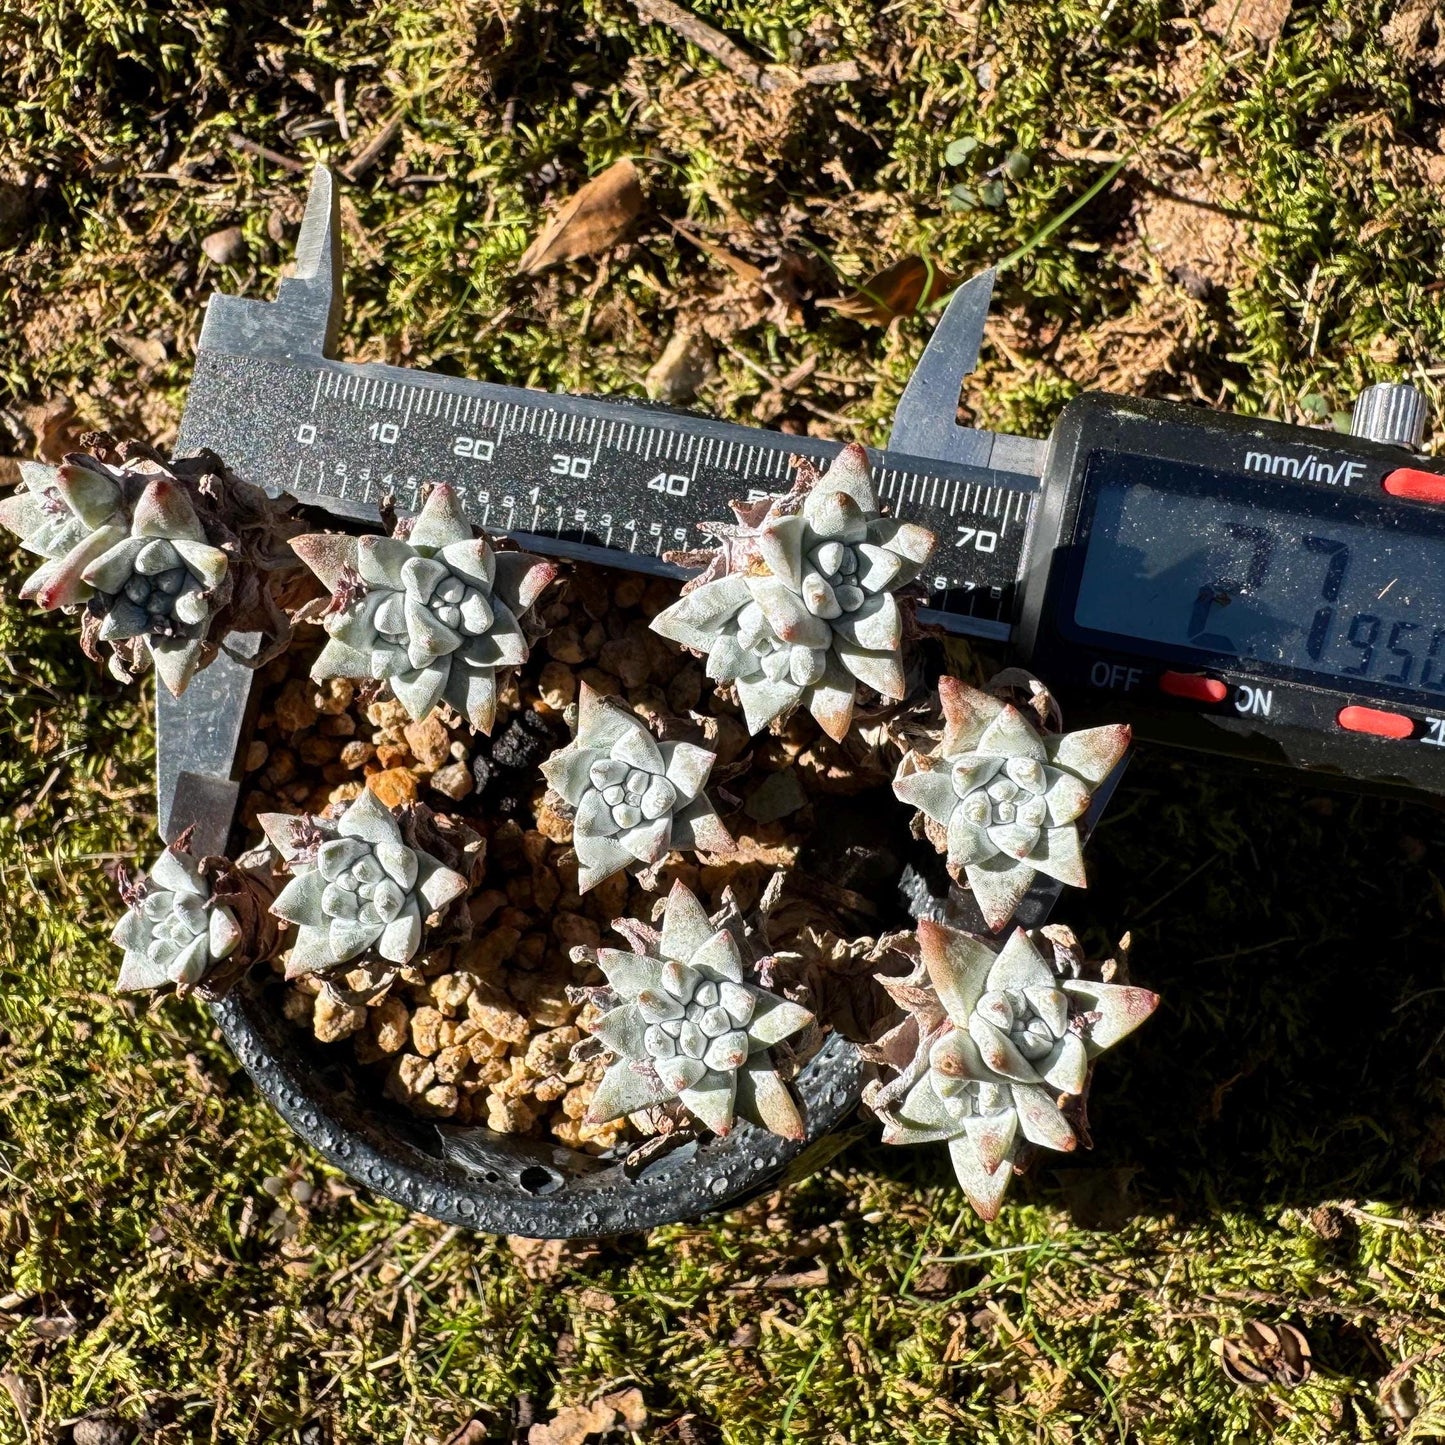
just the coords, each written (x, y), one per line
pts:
(536, 1179)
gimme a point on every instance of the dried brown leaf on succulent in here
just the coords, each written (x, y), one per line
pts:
(593, 221)
(898, 290)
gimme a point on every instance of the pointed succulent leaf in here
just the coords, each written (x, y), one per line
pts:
(983, 1187)
(635, 800)
(440, 522)
(624, 1090)
(764, 1099)
(330, 555)
(1114, 1010)
(685, 1013)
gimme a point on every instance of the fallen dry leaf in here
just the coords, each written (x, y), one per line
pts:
(815, 1278)
(473, 1432)
(593, 221)
(540, 1259)
(24, 1395)
(898, 290)
(686, 362)
(54, 427)
(145, 350)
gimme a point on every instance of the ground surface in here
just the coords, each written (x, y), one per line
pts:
(1264, 232)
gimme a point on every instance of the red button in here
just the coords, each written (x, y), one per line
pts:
(1415, 485)
(1372, 720)
(1193, 685)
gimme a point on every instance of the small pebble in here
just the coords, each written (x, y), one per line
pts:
(296, 708)
(453, 781)
(429, 741)
(557, 685)
(395, 786)
(226, 248)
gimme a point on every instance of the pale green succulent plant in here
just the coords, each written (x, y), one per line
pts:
(635, 799)
(797, 604)
(145, 570)
(993, 1042)
(175, 931)
(436, 614)
(690, 1027)
(1004, 801)
(359, 892)
(68, 515)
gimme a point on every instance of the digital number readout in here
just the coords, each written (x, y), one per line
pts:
(1210, 566)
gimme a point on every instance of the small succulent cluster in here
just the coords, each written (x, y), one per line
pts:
(436, 613)
(358, 892)
(635, 798)
(176, 930)
(126, 543)
(687, 1025)
(1003, 801)
(993, 1041)
(797, 604)
(802, 600)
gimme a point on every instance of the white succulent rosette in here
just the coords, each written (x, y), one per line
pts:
(68, 515)
(146, 571)
(635, 799)
(176, 931)
(358, 891)
(436, 615)
(158, 585)
(1010, 1039)
(690, 1027)
(799, 607)
(1003, 800)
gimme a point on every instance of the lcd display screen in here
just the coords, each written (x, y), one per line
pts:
(1329, 588)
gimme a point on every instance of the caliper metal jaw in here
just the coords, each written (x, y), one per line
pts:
(198, 735)
(926, 421)
(305, 317)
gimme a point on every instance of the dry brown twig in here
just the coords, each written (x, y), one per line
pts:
(728, 53)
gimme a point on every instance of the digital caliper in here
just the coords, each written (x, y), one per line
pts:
(1219, 582)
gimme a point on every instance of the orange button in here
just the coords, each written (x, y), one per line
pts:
(1416, 485)
(1193, 685)
(1372, 720)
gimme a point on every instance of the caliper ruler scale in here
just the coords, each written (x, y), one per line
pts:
(1218, 582)
(600, 479)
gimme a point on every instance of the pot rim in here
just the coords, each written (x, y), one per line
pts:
(495, 1183)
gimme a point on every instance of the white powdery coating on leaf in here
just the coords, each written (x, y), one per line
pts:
(437, 615)
(1018, 1037)
(635, 799)
(1006, 798)
(361, 892)
(177, 932)
(689, 1028)
(815, 616)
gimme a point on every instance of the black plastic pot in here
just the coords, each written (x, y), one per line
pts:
(473, 1177)
(499, 1184)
